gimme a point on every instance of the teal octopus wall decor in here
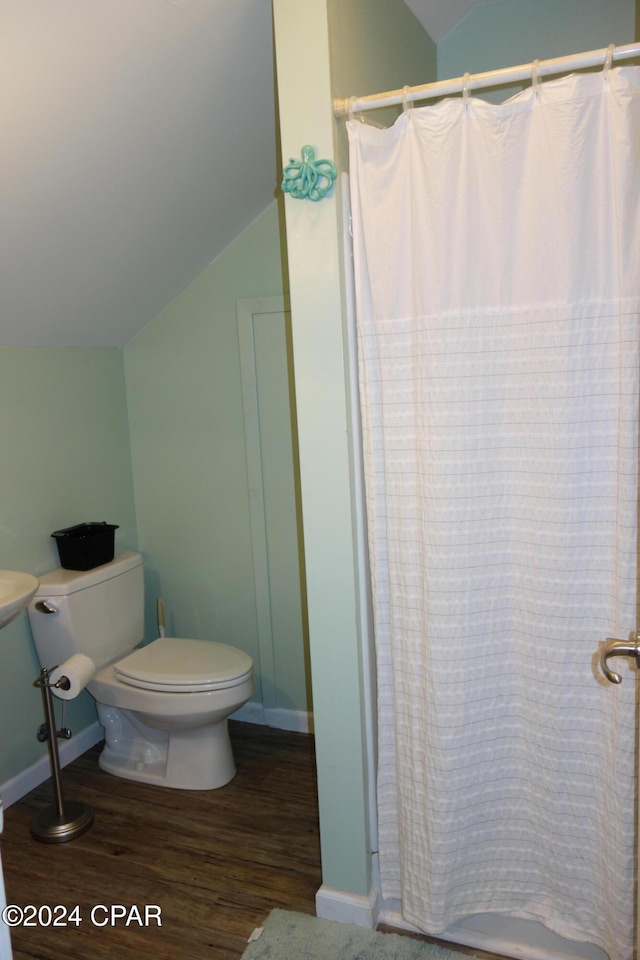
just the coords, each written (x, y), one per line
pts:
(308, 179)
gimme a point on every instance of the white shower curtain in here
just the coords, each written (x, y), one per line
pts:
(497, 261)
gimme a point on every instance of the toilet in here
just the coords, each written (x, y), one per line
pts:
(164, 706)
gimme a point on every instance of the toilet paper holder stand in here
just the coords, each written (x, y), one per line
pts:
(62, 820)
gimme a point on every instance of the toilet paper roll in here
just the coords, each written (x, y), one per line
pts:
(78, 670)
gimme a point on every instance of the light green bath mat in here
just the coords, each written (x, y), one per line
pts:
(294, 936)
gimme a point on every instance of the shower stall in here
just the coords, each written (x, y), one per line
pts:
(497, 290)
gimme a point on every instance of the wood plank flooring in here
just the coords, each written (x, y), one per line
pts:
(215, 862)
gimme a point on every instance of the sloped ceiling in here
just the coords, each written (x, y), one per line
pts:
(438, 17)
(138, 140)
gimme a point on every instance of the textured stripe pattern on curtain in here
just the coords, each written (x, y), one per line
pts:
(497, 253)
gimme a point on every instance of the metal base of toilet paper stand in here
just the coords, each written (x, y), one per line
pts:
(61, 821)
(49, 827)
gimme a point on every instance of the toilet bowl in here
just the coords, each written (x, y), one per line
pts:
(170, 733)
(164, 706)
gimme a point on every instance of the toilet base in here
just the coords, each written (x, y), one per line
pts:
(194, 759)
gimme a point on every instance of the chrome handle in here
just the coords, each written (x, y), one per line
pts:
(43, 606)
(618, 648)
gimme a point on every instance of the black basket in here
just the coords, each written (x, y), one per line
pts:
(86, 545)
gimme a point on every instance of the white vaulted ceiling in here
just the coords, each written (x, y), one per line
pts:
(440, 16)
(138, 140)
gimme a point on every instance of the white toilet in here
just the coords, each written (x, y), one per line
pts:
(164, 706)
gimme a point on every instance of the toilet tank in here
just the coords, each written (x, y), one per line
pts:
(97, 612)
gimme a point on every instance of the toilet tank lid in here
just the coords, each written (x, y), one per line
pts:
(61, 582)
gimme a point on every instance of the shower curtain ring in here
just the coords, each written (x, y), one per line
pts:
(406, 103)
(535, 79)
(608, 60)
(465, 87)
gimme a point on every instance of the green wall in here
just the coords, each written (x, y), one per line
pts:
(510, 32)
(375, 45)
(65, 460)
(365, 49)
(184, 397)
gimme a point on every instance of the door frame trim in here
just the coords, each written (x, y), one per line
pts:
(247, 311)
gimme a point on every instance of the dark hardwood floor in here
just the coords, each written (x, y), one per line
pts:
(214, 862)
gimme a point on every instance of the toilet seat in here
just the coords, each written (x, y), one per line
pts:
(181, 665)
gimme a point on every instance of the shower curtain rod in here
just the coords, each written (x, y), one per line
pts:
(478, 81)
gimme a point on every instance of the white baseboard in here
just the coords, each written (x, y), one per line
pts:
(347, 907)
(298, 721)
(25, 781)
